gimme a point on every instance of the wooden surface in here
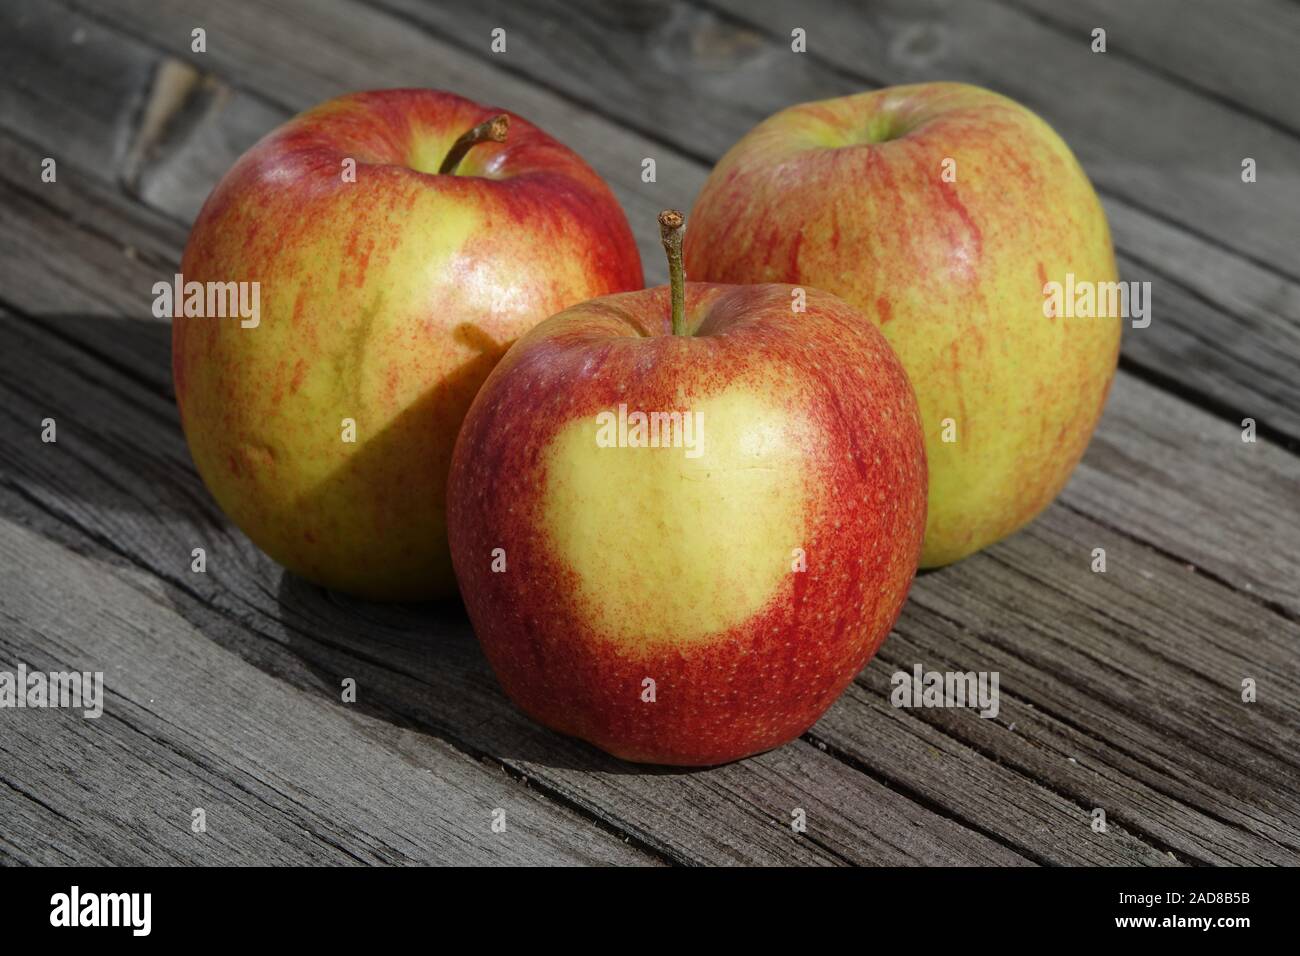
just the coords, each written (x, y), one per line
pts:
(1119, 691)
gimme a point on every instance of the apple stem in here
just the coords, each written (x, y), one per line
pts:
(670, 232)
(493, 130)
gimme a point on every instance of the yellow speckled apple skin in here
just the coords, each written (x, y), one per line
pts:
(848, 195)
(751, 582)
(385, 300)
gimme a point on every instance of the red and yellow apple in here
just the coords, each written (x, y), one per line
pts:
(941, 212)
(700, 583)
(399, 251)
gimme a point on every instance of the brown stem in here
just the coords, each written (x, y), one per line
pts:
(493, 130)
(670, 232)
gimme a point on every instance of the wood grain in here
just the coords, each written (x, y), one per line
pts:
(1217, 313)
(1263, 566)
(1130, 126)
(279, 773)
(1242, 53)
(137, 502)
(290, 56)
(699, 77)
(176, 496)
(1120, 690)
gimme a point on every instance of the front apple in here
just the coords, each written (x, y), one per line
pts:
(682, 547)
(396, 250)
(941, 212)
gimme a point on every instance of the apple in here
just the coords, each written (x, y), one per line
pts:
(943, 212)
(399, 247)
(683, 519)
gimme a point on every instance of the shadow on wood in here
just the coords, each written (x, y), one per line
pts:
(119, 485)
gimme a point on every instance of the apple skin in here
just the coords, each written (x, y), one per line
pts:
(623, 564)
(386, 300)
(847, 195)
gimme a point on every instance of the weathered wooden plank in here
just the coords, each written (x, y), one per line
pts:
(1026, 811)
(119, 484)
(1273, 570)
(52, 263)
(1180, 159)
(1186, 482)
(1119, 690)
(161, 128)
(1224, 330)
(136, 513)
(341, 638)
(402, 637)
(677, 72)
(296, 54)
(819, 730)
(283, 776)
(1241, 52)
(72, 78)
(181, 548)
(699, 79)
(1208, 336)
